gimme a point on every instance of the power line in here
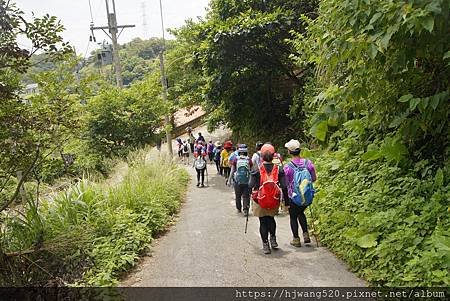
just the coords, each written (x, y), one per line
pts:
(87, 48)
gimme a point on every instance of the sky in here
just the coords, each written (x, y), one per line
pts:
(76, 18)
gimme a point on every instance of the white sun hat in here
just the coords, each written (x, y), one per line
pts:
(292, 145)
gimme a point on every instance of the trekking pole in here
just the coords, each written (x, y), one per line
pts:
(312, 224)
(246, 223)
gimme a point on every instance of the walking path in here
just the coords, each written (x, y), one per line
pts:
(207, 247)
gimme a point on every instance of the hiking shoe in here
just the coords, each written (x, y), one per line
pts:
(296, 242)
(202, 185)
(198, 184)
(273, 242)
(266, 248)
(246, 212)
(306, 238)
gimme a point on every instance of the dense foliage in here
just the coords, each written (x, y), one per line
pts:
(121, 120)
(137, 59)
(91, 233)
(242, 51)
(390, 225)
(368, 82)
(381, 103)
(51, 132)
(74, 123)
(364, 82)
(20, 149)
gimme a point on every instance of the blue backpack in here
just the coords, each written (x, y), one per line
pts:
(217, 154)
(242, 175)
(303, 192)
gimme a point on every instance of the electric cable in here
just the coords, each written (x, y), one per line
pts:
(87, 48)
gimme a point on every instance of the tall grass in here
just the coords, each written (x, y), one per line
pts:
(91, 233)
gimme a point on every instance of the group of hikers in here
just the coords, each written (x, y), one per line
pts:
(200, 150)
(264, 178)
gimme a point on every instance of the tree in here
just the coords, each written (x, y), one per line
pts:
(20, 150)
(137, 59)
(121, 120)
(242, 50)
(379, 103)
(386, 65)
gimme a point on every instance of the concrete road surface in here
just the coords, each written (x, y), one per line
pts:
(207, 247)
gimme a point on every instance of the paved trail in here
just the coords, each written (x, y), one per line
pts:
(207, 247)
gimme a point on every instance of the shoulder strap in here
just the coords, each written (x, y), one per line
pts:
(262, 174)
(295, 166)
(275, 172)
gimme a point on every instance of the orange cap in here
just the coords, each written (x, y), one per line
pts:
(267, 148)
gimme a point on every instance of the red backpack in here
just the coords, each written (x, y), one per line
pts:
(269, 193)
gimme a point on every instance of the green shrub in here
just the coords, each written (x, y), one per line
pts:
(390, 224)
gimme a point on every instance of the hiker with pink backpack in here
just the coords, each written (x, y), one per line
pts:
(268, 184)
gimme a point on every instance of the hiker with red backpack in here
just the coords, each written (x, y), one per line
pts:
(200, 163)
(268, 185)
(241, 166)
(300, 174)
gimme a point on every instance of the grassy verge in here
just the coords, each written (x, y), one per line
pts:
(91, 233)
(390, 224)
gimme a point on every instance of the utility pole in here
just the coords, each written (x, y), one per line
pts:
(164, 85)
(144, 19)
(114, 34)
(164, 94)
